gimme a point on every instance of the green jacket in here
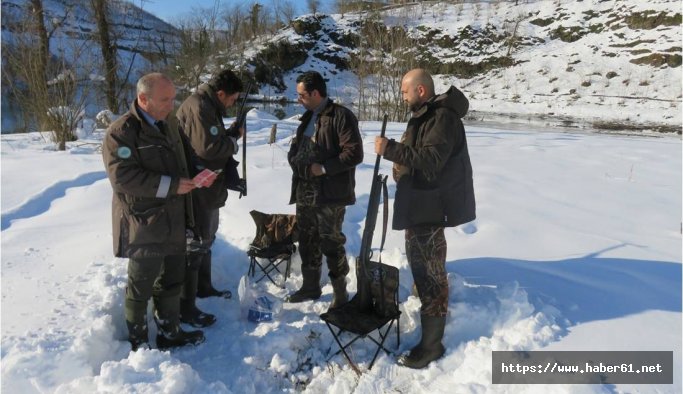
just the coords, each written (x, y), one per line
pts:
(144, 167)
(200, 118)
(434, 151)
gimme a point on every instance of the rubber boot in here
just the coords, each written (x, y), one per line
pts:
(430, 347)
(340, 296)
(310, 290)
(204, 287)
(169, 333)
(136, 321)
(189, 313)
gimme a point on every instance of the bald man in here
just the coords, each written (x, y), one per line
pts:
(147, 164)
(434, 190)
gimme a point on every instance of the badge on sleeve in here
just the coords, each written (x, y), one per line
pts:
(213, 130)
(123, 152)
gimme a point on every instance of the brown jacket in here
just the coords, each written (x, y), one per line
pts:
(144, 166)
(340, 150)
(200, 117)
(434, 150)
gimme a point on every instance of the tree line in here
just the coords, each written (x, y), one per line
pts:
(55, 65)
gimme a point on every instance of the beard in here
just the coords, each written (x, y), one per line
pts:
(414, 106)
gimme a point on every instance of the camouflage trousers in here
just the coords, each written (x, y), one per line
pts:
(320, 234)
(426, 252)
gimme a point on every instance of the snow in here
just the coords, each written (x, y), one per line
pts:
(576, 246)
(590, 80)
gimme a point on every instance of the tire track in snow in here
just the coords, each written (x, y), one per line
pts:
(40, 203)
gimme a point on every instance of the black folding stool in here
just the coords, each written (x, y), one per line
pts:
(360, 324)
(273, 245)
(375, 305)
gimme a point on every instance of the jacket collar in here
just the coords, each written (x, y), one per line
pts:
(206, 90)
(327, 111)
(424, 108)
(135, 111)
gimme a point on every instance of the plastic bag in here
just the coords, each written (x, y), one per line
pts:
(256, 304)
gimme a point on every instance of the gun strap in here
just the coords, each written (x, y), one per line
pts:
(385, 214)
(244, 160)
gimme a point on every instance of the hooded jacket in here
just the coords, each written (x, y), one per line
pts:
(339, 150)
(144, 167)
(200, 117)
(434, 151)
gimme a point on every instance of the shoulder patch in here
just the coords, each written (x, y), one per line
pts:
(123, 152)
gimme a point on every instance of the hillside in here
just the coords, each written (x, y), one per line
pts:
(595, 62)
(139, 34)
(142, 40)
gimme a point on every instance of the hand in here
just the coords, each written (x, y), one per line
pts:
(204, 178)
(381, 145)
(316, 169)
(233, 131)
(185, 186)
(210, 181)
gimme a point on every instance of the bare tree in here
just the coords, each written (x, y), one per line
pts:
(108, 48)
(28, 64)
(313, 6)
(43, 52)
(383, 55)
(255, 18)
(280, 15)
(287, 11)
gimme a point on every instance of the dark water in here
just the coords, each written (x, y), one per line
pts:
(279, 110)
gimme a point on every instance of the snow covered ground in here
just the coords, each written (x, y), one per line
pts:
(576, 246)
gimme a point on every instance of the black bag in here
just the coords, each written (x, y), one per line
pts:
(383, 286)
(417, 207)
(232, 177)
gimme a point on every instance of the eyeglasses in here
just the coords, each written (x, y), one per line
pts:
(303, 95)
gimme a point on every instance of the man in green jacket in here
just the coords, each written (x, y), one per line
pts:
(200, 117)
(323, 156)
(434, 190)
(147, 164)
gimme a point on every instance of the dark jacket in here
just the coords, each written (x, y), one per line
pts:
(200, 117)
(339, 150)
(433, 150)
(144, 167)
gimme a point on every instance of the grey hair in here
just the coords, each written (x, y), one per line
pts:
(146, 82)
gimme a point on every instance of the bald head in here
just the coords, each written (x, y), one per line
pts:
(417, 87)
(420, 77)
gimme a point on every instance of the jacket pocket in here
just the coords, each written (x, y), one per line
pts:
(336, 187)
(149, 223)
(155, 157)
(417, 207)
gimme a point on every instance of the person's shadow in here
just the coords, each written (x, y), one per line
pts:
(586, 288)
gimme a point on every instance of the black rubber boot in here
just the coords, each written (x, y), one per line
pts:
(167, 318)
(205, 288)
(176, 337)
(340, 296)
(189, 313)
(310, 290)
(136, 321)
(430, 347)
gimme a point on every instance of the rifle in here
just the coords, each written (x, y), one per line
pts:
(233, 181)
(363, 297)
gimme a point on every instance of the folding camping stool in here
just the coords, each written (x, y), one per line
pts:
(273, 246)
(349, 318)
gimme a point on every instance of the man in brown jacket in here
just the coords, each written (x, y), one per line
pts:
(323, 157)
(434, 190)
(200, 117)
(147, 166)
